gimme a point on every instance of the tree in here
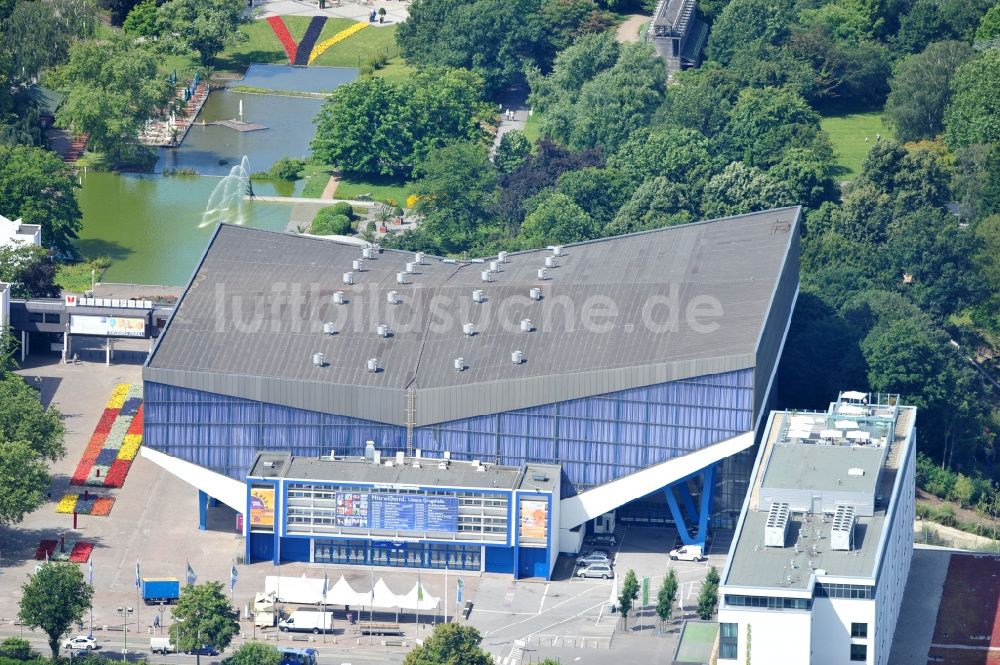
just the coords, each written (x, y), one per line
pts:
(765, 123)
(740, 189)
(920, 90)
(143, 20)
(254, 653)
(25, 480)
(204, 26)
(450, 644)
(657, 203)
(203, 617)
(37, 186)
(923, 24)
(556, 219)
(38, 34)
(514, 148)
(23, 418)
(680, 155)
(331, 221)
(807, 175)
(666, 596)
(29, 270)
(53, 599)
(573, 67)
(972, 115)
(600, 192)
(629, 592)
(743, 22)
(708, 597)
(989, 26)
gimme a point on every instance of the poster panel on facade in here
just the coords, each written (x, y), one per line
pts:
(107, 326)
(534, 518)
(261, 507)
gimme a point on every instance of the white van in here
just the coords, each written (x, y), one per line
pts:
(307, 621)
(161, 645)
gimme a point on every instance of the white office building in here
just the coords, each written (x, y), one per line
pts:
(16, 231)
(822, 549)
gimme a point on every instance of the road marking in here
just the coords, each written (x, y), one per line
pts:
(568, 600)
(544, 594)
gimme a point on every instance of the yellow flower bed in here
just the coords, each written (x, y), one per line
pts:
(67, 504)
(130, 446)
(339, 37)
(118, 397)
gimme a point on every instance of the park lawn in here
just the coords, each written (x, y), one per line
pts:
(847, 134)
(78, 277)
(533, 127)
(316, 177)
(388, 191)
(359, 47)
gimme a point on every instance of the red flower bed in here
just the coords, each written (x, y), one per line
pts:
(81, 552)
(116, 474)
(106, 421)
(102, 506)
(285, 37)
(136, 426)
(45, 548)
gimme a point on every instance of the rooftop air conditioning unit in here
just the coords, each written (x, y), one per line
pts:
(401, 278)
(459, 364)
(536, 294)
(382, 330)
(478, 296)
(318, 360)
(372, 365)
(338, 298)
(543, 273)
(550, 262)
(356, 264)
(486, 276)
(469, 329)
(392, 297)
(516, 357)
(329, 328)
(348, 278)
(526, 325)
(366, 253)
(776, 526)
(842, 530)
(502, 257)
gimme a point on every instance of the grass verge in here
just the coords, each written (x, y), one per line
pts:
(78, 277)
(388, 191)
(852, 136)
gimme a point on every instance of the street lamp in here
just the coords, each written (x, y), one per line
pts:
(124, 612)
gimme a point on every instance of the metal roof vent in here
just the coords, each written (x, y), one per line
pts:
(372, 367)
(469, 329)
(329, 328)
(348, 278)
(776, 527)
(502, 257)
(550, 262)
(392, 297)
(383, 330)
(401, 278)
(356, 264)
(366, 253)
(411, 267)
(400, 457)
(855, 471)
(539, 478)
(319, 360)
(377, 458)
(418, 258)
(556, 250)
(478, 296)
(536, 294)
(486, 276)
(495, 266)
(842, 531)
(526, 325)
(369, 450)
(516, 357)
(459, 364)
(338, 298)
(542, 273)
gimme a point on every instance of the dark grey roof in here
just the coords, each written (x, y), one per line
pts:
(252, 317)
(426, 473)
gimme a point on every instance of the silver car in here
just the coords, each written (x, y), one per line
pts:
(80, 642)
(593, 557)
(602, 570)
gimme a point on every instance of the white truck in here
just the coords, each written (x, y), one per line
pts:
(309, 621)
(688, 553)
(161, 645)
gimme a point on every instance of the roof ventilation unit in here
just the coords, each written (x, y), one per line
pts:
(382, 330)
(329, 328)
(478, 296)
(348, 278)
(526, 325)
(338, 298)
(855, 471)
(469, 329)
(486, 276)
(369, 450)
(447, 455)
(776, 527)
(366, 253)
(542, 273)
(494, 266)
(392, 298)
(516, 357)
(842, 531)
(372, 365)
(418, 258)
(411, 267)
(356, 264)
(318, 360)
(377, 458)
(556, 250)
(459, 364)
(536, 294)
(502, 257)
(401, 278)
(400, 457)
(550, 262)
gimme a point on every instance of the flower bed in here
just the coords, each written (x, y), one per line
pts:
(81, 552)
(285, 37)
(114, 444)
(86, 504)
(102, 506)
(67, 504)
(337, 38)
(45, 549)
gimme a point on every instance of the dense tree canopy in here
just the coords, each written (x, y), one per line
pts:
(450, 644)
(203, 26)
(921, 90)
(974, 113)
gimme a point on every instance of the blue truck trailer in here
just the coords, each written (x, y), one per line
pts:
(156, 590)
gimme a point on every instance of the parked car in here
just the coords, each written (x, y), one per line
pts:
(80, 642)
(602, 570)
(593, 557)
(688, 553)
(161, 645)
(203, 650)
(603, 539)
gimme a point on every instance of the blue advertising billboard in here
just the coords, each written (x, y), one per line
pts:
(397, 512)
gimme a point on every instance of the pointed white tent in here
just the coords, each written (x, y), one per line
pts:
(384, 598)
(410, 600)
(342, 593)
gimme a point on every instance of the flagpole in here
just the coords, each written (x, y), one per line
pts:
(446, 593)
(138, 583)
(90, 570)
(418, 596)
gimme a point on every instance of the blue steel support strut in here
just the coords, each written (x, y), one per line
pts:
(684, 523)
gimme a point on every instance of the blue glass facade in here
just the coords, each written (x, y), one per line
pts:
(596, 439)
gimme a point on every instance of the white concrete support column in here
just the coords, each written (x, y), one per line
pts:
(107, 351)
(65, 351)
(24, 345)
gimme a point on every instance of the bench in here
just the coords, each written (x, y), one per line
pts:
(467, 610)
(380, 629)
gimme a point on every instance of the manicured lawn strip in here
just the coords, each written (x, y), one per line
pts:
(357, 48)
(848, 134)
(381, 189)
(396, 70)
(533, 127)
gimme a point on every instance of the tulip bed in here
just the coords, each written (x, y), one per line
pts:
(90, 505)
(285, 37)
(113, 445)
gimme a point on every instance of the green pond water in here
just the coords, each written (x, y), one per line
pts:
(153, 227)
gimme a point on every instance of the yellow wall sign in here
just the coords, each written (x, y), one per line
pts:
(262, 506)
(534, 519)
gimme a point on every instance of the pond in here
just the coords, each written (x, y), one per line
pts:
(298, 79)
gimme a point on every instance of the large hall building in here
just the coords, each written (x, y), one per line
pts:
(552, 391)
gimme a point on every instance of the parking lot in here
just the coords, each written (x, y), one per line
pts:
(154, 521)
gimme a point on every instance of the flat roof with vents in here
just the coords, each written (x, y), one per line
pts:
(252, 317)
